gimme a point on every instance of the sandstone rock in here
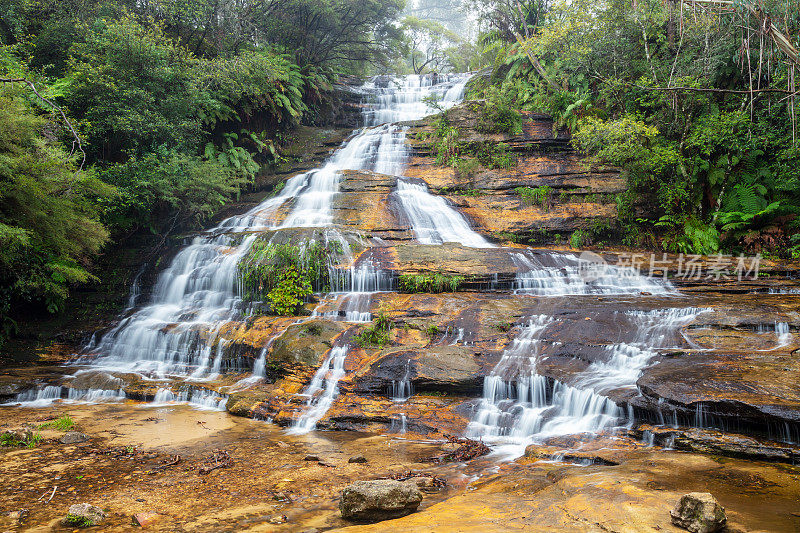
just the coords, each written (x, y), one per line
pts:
(73, 437)
(357, 459)
(296, 346)
(145, 519)
(424, 483)
(84, 515)
(699, 512)
(382, 499)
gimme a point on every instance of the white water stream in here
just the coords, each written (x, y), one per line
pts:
(520, 406)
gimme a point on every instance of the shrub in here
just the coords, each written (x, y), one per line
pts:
(284, 274)
(286, 297)
(375, 335)
(433, 283)
(579, 238)
(498, 114)
(541, 196)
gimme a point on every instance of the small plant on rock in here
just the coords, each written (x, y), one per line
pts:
(541, 196)
(375, 335)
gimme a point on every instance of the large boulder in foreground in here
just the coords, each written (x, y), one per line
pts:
(699, 512)
(381, 499)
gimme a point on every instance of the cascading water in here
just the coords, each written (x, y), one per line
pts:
(555, 274)
(176, 333)
(434, 221)
(520, 406)
(322, 390)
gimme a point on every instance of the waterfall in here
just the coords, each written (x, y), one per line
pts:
(401, 389)
(556, 274)
(176, 332)
(326, 381)
(433, 220)
(520, 406)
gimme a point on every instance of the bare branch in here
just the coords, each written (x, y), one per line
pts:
(76, 142)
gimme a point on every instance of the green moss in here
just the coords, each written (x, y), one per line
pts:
(77, 521)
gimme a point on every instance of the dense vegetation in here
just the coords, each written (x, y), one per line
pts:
(120, 117)
(696, 101)
(284, 274)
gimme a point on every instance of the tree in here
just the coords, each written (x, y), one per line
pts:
(50, 225)
(333, 33)
(428, 44)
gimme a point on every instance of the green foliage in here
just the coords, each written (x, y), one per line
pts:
(432, 331)
(167, 181)
(375, 335)
(579, 238)
(689, 235)
(77, 521)
(49, 214)
(467, 167)
(630, 144)
(541, 196)
(447, 147)
(498, 114)
(461, 192)
(63, 423)
(286, 297)
(29, 439)
(495, 155)
(703, 153)
(284, 274)
(430, 283)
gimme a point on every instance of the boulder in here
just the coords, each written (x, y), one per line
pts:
(84, 515)
(73, 437)
(357, 459)
(381, 499)
(699, 512)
